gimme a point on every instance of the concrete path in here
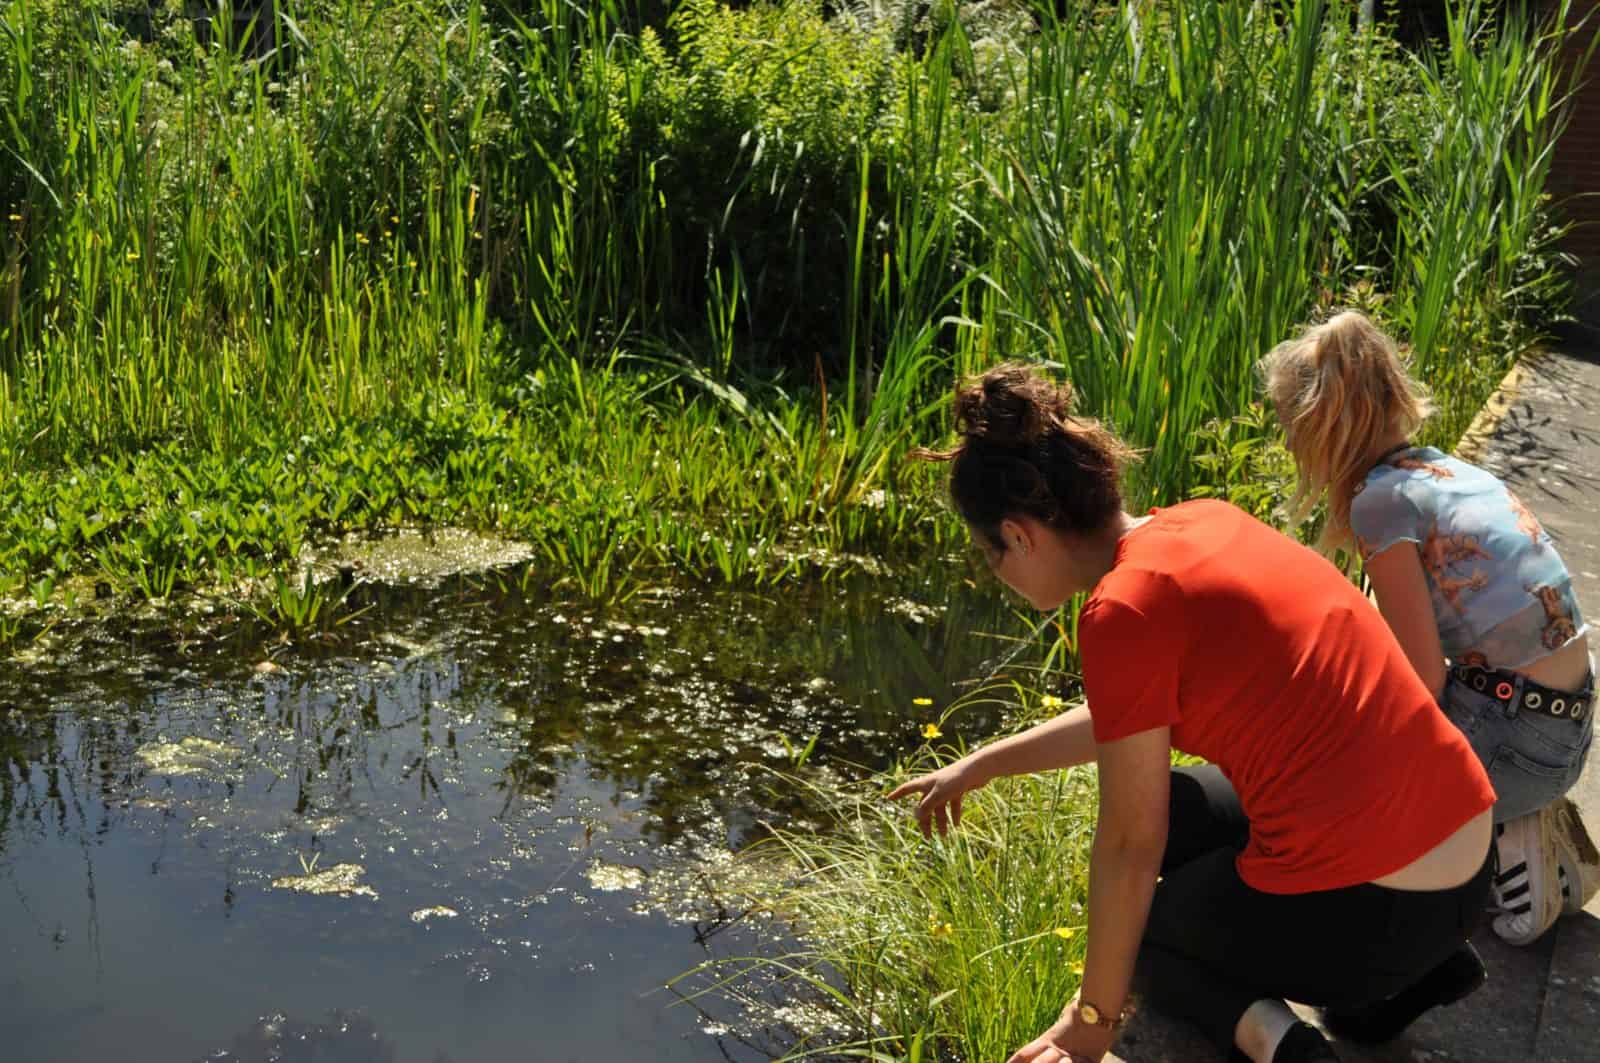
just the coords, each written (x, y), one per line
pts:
(1541, 434)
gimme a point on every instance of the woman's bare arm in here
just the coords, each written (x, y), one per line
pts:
(1401, 588)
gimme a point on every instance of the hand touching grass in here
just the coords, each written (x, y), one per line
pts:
(942, 792)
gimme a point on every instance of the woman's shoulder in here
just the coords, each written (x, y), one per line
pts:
(1387, 490)
(1416, 476)
(1141, 588)
(1430, 467)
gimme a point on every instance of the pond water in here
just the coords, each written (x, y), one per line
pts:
(472, 827)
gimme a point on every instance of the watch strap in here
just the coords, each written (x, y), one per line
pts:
(1096, 1016)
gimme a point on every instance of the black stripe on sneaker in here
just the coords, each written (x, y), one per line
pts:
(1502, 879)
(1512, 894)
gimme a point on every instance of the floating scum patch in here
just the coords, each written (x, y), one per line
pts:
(343, 880)
(424, 557)
(423, 915)
(191, 756)
(613, 877)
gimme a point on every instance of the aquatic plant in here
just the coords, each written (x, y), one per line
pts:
(674, 301)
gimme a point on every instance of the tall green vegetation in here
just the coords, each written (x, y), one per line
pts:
(1473, 247)
(776, 225)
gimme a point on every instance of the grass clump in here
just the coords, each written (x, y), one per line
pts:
(961, 947)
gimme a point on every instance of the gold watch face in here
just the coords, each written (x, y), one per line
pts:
(1090, 1013)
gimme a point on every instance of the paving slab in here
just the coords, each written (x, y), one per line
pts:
(1541, 434)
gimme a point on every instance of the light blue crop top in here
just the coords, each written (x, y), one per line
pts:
(1501, 594)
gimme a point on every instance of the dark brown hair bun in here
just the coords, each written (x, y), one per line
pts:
(1012, 406)
(1022, 452)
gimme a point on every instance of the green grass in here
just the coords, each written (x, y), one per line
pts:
(613, 495)
(673, 301)
(958, 947)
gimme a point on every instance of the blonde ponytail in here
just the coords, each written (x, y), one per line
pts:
(1340, 389)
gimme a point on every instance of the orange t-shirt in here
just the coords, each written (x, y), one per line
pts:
(1265, 660)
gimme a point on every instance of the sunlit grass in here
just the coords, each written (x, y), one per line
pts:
(612, 496)
(964, 946)
(676, 304)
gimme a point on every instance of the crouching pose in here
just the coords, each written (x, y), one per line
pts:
(1335, 850)
(1471, 585)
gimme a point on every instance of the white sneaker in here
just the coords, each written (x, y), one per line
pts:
(1577, 857)
(1529, 885)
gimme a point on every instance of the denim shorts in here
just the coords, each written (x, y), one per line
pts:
(1532, 759)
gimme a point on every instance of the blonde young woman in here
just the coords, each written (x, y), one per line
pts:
(1468, 580)
(1205, 630)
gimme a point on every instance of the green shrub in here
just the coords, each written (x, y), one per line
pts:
(434, 201)
(759, 120)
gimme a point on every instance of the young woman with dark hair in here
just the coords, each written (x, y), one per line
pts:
(1334, 851)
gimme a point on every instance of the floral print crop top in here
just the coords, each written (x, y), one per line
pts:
(1501, 594)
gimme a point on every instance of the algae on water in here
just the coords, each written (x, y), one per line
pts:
(422, 915)
(411, 555)
(191, 756)
(612, 877)
(341, 879)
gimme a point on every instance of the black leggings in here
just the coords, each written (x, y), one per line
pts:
(1213, 945)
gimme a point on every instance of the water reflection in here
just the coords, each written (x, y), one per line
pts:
(342, 1039)
(530, 810)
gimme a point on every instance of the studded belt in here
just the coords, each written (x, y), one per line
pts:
(1523, 694)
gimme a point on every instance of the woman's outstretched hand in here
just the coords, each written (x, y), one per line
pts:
(941, 795)
(1070, 1040)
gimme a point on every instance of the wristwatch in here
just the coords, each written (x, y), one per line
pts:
(1095, 1017)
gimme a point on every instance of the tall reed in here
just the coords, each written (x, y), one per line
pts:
(445, 201)
(1474, 239)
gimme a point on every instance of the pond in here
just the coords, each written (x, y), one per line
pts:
(475, 826)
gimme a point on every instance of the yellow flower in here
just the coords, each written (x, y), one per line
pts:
(931, 730)
(1050, 701)
(16, 217)
(922, 701)
(361, 238)
(1064, 931)
(133, 256)
(940, 930)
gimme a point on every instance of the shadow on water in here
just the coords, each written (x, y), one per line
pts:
(475, 827)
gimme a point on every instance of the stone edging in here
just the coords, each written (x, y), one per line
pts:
(1474, 442)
